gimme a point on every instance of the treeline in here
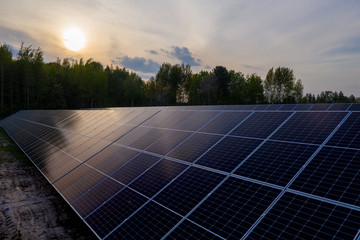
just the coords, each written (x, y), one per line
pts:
(27, 82)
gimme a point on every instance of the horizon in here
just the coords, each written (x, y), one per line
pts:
(319, 41)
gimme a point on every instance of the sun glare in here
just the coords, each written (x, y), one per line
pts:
(74, 39)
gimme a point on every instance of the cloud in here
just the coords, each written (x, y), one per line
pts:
(138, 64)
(250, 67)
(184, 55)
(15, 37)
(153, 52)
(349, 47)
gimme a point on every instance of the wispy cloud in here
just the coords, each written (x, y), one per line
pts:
(138, 64)
(349, 47)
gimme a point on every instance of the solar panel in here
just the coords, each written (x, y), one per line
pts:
(202, 172)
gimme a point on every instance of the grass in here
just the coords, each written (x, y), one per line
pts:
(9, 146)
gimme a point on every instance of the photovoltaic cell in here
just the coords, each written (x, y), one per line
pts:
(150, 222)
(298, 217)
(228, 153)
(276, 162)
(348, 135)
(224, 122)
(196, 120)
(309, 127)
(287, 107)
(184, 193)
(234, 207)
(168, 142)
(320, 107)
(260, 124)
(168, 173)
(115, 211)
(188, 230)
(355, 107)
(333, 173)
(96, 196)
(194, 147)
(303, 107)
(134, 168)
(157, 177)
(150, 137)
(339, 107)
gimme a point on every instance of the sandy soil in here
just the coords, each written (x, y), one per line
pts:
(29, 206)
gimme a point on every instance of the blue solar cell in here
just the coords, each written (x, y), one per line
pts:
(348, 135)
(175, 119)
(115, 211)
(261, 124)
(224, 122)
(188, 230)
(96, 196)
(196, 120)
(276, 162)
(309, 127)
(121, 192)
(303, 107)
(150, 222)
(333, 173)
(234, 207)
(157, 177)
(168, 142)
(339, 107)
(156, 119)
(320, 107)
(80, 185)
(228, 153)
(150, 137)
(274, 107)
(194, 147)
(355, 107)
(185, 192)
(132, 169)
(287, 107)
(297, 217)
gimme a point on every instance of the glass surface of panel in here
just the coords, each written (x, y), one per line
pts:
(228, 153)
(309, 127)
(184, 193)
(150, 222)
(196, 120)
(234, 207)
(96, 196)
(157, 177)
(115, 211)
(298, 217)
(260, 124)
(224, 122)
(348, 135)
(333, 173)
(168, 142)
(276, 162)
(133, 169)
(149, 138)
(194, 147)
(187, 230)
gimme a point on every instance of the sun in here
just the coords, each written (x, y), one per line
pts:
(74, 39)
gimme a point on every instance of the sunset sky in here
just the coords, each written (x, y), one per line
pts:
(319, 40)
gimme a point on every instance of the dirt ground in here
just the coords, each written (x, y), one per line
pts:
(29, 206)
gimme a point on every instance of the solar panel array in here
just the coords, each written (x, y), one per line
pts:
(202, 172)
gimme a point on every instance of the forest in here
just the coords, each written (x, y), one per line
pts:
(27, 82)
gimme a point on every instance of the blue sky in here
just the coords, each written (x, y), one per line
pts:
(319, 40)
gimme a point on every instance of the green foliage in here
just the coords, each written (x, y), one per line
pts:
(29, 83)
